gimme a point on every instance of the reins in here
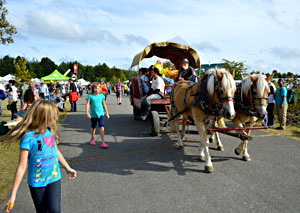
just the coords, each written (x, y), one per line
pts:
(202, 98)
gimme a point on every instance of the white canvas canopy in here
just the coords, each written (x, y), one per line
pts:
(83, 82)
(9, 77)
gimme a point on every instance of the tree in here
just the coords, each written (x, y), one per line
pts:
(238, 67)
(6, 29)
(21, 68)
(7, 66)
(48, 66)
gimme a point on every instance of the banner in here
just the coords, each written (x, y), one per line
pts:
(75, 68)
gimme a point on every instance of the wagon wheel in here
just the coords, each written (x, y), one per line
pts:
(154, 123)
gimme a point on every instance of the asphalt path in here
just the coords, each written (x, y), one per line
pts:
(140, 173)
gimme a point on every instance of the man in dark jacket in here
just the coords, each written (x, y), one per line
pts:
(73, 95)
(186, 72)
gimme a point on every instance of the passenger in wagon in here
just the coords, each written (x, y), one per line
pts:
(187, 72)
(156, 92)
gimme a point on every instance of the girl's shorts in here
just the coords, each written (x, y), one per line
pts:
(100, 122)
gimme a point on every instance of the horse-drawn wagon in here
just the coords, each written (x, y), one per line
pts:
(174, 52)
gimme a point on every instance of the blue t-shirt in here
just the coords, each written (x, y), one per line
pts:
(282, 91)
(96, 107)
(43, 166)
(145, 86)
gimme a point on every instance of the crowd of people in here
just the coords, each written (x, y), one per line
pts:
(57, 93)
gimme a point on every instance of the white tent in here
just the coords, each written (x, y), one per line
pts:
(36, 80)
(9, 77)
(83, 82)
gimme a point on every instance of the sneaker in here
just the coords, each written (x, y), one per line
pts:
(104, 146)
(120, 103)
(92, 143)
(280, 128)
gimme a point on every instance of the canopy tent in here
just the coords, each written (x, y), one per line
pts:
(83, 82)
(175, 52)
(55, 76)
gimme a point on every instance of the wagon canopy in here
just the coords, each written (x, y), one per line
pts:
(175, 52)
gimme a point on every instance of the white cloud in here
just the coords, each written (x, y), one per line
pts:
(48, 24)
(284, 52)
(136, 39)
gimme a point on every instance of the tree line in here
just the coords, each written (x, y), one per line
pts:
(22, 68)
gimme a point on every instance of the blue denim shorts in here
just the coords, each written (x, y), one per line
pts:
(100, 122)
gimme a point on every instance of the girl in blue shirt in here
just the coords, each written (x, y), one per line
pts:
(95, 106)
(37, 132)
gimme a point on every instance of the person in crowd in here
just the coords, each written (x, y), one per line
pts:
(79, 86)
(95, 108)
(28, 101)
(73, 97)
(281, 104)
(34, 90)
(51, 89)
(64, 91)
(156, 92)
(22, 89)
(125, 89)
(37, 136)
(271, 103)
(118, 89)
(108, 86)
(187, 72)
(43, 90)
(12, 97)
(2, 96)
(103, 88)
(58, 100)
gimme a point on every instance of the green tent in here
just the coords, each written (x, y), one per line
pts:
(55, 76)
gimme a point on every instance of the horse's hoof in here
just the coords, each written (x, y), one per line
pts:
(220, 148)
(211, 140)
(236, 152)
(246, 158)
(209, 169)
(180, 148)
(201, 158)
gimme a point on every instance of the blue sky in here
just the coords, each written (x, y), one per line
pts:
(264, 34)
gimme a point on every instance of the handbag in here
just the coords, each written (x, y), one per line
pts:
(8, 107)
(10, 101)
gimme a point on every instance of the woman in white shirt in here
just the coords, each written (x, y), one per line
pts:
(12, 97)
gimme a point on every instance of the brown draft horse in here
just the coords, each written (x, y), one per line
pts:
(211, 97)
(250, 104)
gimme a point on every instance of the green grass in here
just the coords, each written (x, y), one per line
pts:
(9, 156)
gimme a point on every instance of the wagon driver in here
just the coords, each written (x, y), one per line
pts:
(187, 72)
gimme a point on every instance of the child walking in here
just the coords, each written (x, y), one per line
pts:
(37, 132)
(95, 106)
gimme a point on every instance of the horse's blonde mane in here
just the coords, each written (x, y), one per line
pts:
(261, 83)
(227, 80)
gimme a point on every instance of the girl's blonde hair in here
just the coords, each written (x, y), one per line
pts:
(41, 115)
(95, 85)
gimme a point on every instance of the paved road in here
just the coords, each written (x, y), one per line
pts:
(139, 173)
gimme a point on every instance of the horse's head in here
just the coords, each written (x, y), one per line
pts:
(221, 88)
(256, 91)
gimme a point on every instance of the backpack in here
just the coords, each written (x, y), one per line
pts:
(2, 95)
(291, 96)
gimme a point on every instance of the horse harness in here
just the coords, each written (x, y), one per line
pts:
(202, 99)
(243, 105)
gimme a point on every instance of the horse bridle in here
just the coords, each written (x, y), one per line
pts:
(254, 97)
(219, 93)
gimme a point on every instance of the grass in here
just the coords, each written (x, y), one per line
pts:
(10, 156)
(290, 131)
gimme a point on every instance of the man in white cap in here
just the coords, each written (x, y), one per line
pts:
(186, 72)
